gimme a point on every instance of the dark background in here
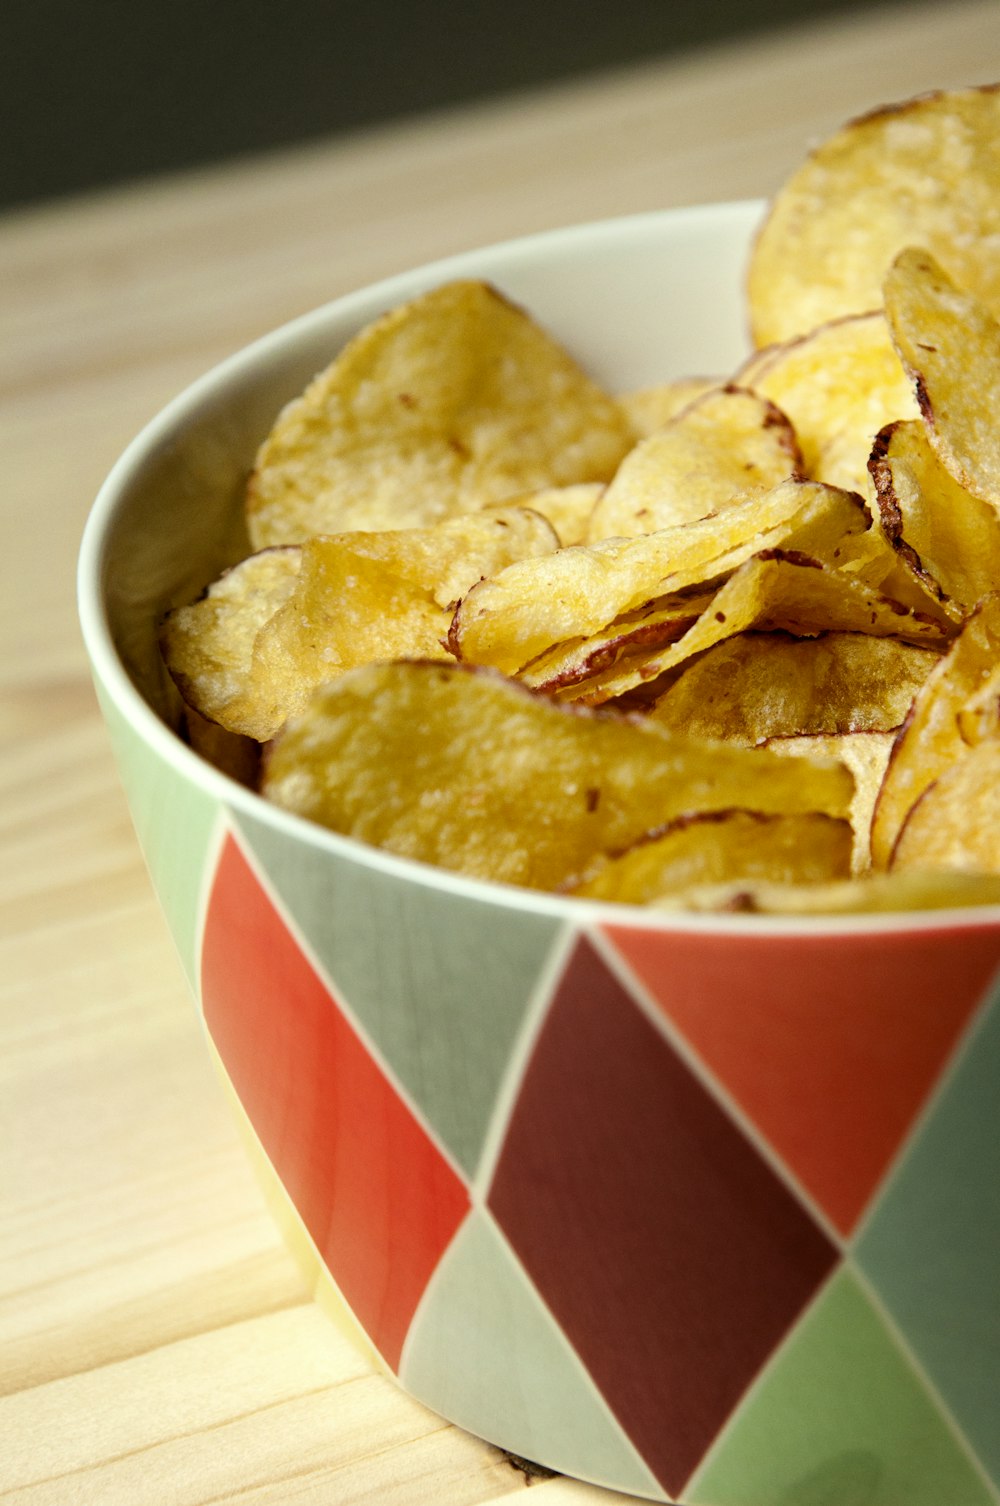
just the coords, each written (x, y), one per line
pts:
(98, 91)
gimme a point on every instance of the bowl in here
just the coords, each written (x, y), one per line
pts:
(704, 1209)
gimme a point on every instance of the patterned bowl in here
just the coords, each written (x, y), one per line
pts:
(707, 1210)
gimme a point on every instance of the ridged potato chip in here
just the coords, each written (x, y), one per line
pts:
(955, 824)
(923, 172)
(722, 846)
(728, 444)
(649, 408)
(839, 385)
(526, 610)
(755, 686)
(467, 770)
(208, 646)
(933, 737)
(949, 343)
(948, 538)
(446, 404)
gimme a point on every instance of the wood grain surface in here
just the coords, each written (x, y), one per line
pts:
(156, 1343)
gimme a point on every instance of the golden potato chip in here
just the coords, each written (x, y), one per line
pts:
(649, 408)
(362, 597)
(467, 770)
(923, 172)
(534, 605)
(866, 754)
(443, 405)
(776, 589)
(950, 344)
(453, 485)
(208, 646)
(648, 628)
(955, 823)
(336, 602)
(931, 738)
(838, 385)
(759, 685)
(566, 508)
(720, 847)
(873, 559)
(979, 718)
(948, 538)
(876, 893)
(446, 559)
(728, 444)
(346, 610)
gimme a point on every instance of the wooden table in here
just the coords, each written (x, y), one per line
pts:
(156, 1343)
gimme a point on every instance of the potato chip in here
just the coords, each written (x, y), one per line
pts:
(643, 631)
(443, 561)
(755, 686)
(955, 824)
(866, 754)
(950, 344)
(876, 893)
(948, 538)
(467, 770)
(922, 172)
(444, 405)
(649, 408)
(346, 611)
(931, 739)
(776, 589)
(566, 508)
(727, 445)
(362, 597)
(528, 608)
(719, 847)
(208, 646)
(838, 385)
(336, 602)
(695, 559)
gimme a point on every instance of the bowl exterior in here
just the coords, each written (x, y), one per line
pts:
(704, 1211)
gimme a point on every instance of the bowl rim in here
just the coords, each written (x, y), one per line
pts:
(109, 669)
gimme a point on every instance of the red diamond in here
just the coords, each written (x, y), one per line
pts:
(829, 1044)
(379, 1199)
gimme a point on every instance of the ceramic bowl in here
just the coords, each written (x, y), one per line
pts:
(707, 1210)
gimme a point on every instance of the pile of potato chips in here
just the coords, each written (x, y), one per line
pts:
(728, 643)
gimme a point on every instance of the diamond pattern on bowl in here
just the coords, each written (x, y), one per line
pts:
(943, 1201)
(378, 1197)
(439, 982)
(670, 1253)
(831, 1050)
(840, 1418)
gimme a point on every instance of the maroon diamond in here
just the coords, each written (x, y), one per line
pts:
(672, 1256)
